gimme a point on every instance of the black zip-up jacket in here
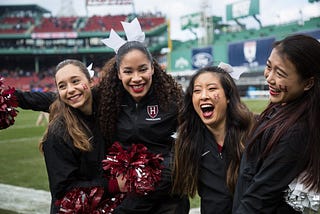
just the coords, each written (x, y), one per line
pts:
(262, 182)
(212, 188)
(67, 166)
(145, 122)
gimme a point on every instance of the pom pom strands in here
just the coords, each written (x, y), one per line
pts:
(8, 103)
(88, 201)
(80, 200)
(141, 168)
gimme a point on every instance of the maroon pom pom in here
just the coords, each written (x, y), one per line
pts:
(141, 168)
(80, 200)
(8, 103)
(87, 201)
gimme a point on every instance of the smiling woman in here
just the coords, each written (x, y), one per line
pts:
(139, 105)
(209, 101)
(283, 151)
(73, 145)
(73, 87)
(214, 124)
(135, 72)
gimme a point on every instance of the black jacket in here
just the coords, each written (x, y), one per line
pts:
(145, 122)
(67, 166)
(262, 182)
(212, 188)
(37, 101)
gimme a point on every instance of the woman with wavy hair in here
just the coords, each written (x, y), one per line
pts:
(214, 125)
(73, 145)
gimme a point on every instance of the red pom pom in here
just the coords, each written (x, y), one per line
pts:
(8, 103)
(110, 204)
(87, 201)
(80, 200)
(141, 168)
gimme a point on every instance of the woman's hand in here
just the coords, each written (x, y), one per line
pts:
(122, 183)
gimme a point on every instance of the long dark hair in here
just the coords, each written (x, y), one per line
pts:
(190, 140)
(63, 116)
(304, 53)
(166, 89)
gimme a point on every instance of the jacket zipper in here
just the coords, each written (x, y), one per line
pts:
(136, 116)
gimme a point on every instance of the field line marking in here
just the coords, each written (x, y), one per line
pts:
(21, 140)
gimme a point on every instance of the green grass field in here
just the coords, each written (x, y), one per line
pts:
(23, 165)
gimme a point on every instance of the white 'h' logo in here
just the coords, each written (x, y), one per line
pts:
(152, 111)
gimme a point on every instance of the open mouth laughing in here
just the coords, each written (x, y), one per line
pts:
(207, 110)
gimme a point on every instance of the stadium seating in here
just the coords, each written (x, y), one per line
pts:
(15, 24)
(56, 24)
(104, 23)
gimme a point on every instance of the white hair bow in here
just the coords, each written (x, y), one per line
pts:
(228, 68)
(91, 72)
(133, 32)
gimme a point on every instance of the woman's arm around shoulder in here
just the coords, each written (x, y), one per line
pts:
(37, 101)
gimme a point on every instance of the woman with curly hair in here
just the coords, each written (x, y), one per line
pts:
(139, 104)
(214, 125)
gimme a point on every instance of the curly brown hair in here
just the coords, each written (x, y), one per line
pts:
(166, 89)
